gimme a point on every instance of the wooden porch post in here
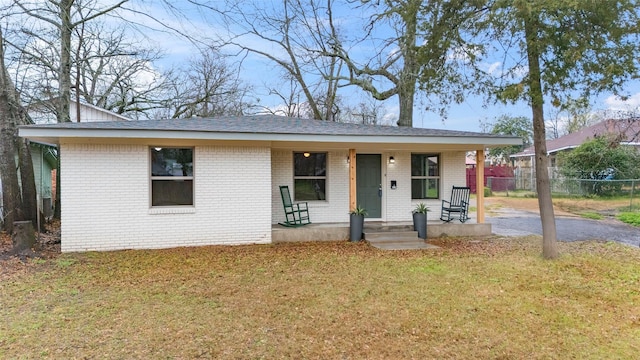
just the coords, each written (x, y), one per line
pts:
(353, 202)
(480, 185)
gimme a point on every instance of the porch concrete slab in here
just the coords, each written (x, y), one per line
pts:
(455, 229)
(311, 232)
(340, 231)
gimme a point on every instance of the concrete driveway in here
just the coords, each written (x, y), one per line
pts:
(510, 222)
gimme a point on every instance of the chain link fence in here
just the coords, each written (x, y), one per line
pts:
(628, 188)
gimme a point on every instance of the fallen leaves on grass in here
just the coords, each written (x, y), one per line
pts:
(47, 247)
(472, 298)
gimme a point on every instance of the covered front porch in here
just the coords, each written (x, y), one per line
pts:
(340, 231)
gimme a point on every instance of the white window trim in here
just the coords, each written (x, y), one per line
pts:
(325, 177)
(427, 177)
(175, 209)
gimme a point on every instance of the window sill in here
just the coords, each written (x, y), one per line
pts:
(159, 210)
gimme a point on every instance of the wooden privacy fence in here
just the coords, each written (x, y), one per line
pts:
(493, 171)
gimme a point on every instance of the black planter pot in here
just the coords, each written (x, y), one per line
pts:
(420, 224)
(356, 225)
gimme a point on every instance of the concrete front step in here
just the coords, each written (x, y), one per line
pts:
(397, 240)
(375, 227)
(392, 236)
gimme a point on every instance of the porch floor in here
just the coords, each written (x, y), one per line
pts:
(340, 231)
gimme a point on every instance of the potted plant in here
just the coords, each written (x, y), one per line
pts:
(420, 220)
(356, 223)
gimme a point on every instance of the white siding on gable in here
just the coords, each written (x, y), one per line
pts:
(105, 199)
(90, 113)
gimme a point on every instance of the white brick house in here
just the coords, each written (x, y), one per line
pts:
(218, 179)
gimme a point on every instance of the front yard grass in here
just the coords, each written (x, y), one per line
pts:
(486, 298)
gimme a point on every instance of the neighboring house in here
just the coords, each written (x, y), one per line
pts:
(628, 130)
(45, 159)
(188, 182)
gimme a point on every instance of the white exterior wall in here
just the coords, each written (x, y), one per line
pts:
(334, 209)
(454, 172)
(106, 206)
(399, 204)
(396, 203)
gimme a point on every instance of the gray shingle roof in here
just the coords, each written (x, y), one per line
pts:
(264, 124)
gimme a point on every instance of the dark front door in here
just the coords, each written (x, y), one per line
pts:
(368, 184)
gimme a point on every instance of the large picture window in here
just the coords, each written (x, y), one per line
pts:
(171, 176)
(309, 176)
(425, 176)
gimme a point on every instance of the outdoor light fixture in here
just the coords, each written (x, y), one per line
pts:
(348, 160)
(392, 160)
(306, 154)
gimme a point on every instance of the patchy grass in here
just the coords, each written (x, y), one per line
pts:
(564, 206)
(591, 215)
(632, 218)
(491, 298)
(515, 194)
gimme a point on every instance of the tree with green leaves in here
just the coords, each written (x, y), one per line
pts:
(510, 125)
(603, 158)
(551, 50)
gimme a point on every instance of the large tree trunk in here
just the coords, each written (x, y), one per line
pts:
(406, 94)
(549, 248)
(20, 202)
(408, 75)
(64, 74)
(28, 182)
(12, 199)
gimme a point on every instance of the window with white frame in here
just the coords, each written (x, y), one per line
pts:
(425, 176)
(309, 176)
(171, 176)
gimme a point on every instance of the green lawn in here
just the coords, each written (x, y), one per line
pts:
(492, 298)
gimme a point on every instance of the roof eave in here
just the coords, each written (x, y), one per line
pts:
(52, 135)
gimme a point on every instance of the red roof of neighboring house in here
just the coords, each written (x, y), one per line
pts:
(628, 128)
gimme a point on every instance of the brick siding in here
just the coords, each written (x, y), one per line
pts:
(105, 199)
